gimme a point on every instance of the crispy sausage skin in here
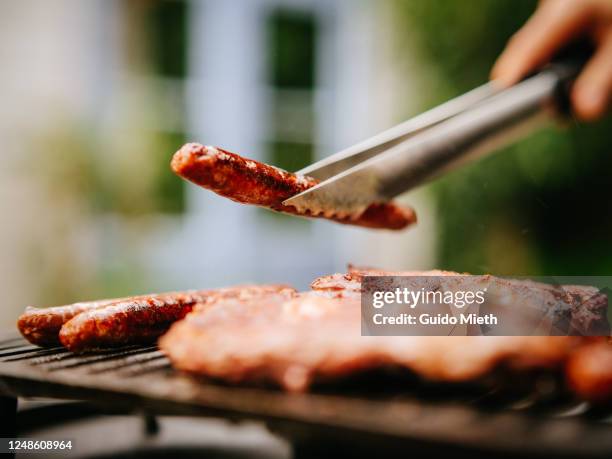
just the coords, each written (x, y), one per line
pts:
(589, 372)
(251, 182)
(41, 326)
(143, 319)
(139, 320)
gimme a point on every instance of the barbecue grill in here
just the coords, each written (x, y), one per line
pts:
(353, 419)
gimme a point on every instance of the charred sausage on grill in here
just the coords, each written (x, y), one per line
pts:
(251, 182)
(144, 319)
(41, 326)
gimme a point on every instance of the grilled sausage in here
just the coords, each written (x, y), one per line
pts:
(143, 319)
(251, 182)
(41, 326)
(139, 320)
(589, 372)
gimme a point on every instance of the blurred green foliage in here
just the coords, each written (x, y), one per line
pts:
(290, 73)
(291, 66)
(291, 44)
(134, 177)
(76, 192)
(540, 206)
(167, 34)
(290, 156)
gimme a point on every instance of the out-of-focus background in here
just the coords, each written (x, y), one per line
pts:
(97, 95)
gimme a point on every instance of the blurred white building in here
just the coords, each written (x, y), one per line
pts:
(81, 63)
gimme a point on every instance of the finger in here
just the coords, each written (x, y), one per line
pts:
(553, 24)
(591, 92)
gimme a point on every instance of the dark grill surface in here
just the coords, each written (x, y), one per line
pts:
(141, 379)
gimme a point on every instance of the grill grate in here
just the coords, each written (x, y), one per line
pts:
(141, 378)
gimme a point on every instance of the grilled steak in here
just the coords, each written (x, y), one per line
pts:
(572, 309)
(316, 336)
(251, 182)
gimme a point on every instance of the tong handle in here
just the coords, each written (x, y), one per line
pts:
(500, 120)
(370, 148)
(437, 141)
(569, 63)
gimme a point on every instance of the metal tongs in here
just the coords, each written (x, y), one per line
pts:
(435, 142)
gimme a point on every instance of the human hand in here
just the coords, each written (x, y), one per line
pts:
(554, 24)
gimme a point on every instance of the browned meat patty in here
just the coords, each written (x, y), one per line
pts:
(251, 182)
(316, 336)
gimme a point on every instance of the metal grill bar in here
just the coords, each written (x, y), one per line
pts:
(8, 341)
(13, 347)
(131, 361)
(24, 354)
(89, 361)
